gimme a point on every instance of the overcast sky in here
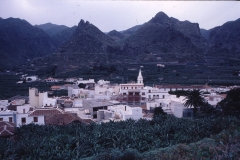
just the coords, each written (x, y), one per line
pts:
(119, 15)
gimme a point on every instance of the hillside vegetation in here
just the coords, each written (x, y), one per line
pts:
(164, 137)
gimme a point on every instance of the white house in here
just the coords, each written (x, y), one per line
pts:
(119, 112)
(50, 102)
(21, 116)
(3, 104)
(105, 91)
(102, 82)
(173, 105)
(51, 80)
(8, 116)
(74, 91)
(214, 98)
(31, 78)
(85, 81)
(155, 93)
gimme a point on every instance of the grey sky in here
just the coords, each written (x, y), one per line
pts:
(119, 15)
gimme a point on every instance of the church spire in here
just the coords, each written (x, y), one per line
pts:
(140, 78)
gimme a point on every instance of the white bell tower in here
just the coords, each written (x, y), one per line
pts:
(140, 78)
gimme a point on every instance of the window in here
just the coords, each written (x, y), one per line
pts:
(23, 120)
(163, 96)
(10, 119)
(35, 119)
(149, 91)
(1, 119)
(24, 111)
(143, 93)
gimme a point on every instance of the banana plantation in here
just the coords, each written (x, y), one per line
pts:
(125, 139)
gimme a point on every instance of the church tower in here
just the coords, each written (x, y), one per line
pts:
(140, 78)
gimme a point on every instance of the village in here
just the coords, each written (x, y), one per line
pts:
(90, 102)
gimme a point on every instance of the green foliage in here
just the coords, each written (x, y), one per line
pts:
(158, 111)
(124, 139)
(231, 104)
(194, 98)
(179, 93)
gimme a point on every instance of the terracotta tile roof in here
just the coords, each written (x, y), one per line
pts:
(55, 87)
(46, 111)
(66, 118)
(6, 128)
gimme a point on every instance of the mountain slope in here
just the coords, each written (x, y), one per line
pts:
(63, 37)
(52, 29)
(86, 47)
(225, 39)
(87, 39)
(163, 35)
(20, 41)
(205, 33)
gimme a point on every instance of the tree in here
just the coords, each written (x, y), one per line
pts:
(231, 104)
(194, 98)
(157, 111)
(81, 85)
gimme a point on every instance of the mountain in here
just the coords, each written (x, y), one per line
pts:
(115, 35)
(52, 29)
(123, 34)
(205, 33)
(87, 39)
(63, 37)
(19, 41)
(225, 39)
(131, 30)
(165, 35)
(87, 46)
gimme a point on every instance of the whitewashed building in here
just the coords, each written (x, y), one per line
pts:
(119, 112)
(3, 104)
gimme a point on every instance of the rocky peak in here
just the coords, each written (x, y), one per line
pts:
(83, 23)
(160, 17)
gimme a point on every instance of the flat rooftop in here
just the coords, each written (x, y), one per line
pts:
(98, 103)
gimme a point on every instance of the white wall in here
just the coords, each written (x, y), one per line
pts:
(50, 102)
(85, 81)
(20, 109)
(131, 112)
(42, 97)
(29, 119)
(107, 97)
(177, 109)
(6, 114)
(3, 102)
(33, 98)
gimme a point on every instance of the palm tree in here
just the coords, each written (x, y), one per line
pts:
(194, 98)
